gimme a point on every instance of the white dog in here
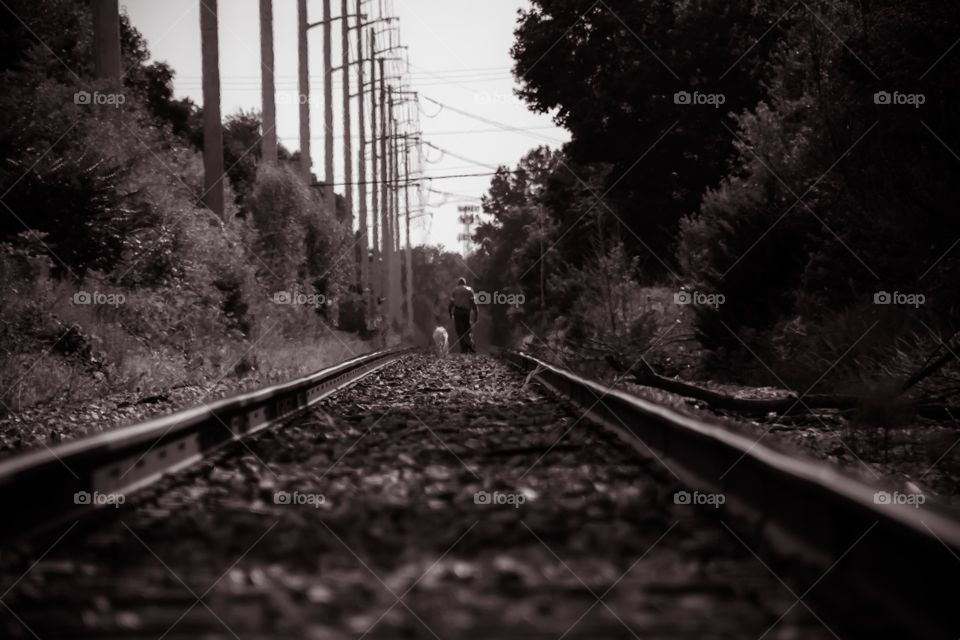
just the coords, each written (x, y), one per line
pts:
(441, 341)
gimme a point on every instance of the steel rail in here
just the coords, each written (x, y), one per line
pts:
(902, 560)
(40, 488)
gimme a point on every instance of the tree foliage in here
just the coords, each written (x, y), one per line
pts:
(835, 196)
(821, 178)
(610, 73)
(107, 197)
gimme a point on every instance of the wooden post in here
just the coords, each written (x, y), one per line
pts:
(304, 90)
(396, 300)
(385, 242)
(268, 142)
(362, 159)
(212, 128)
(347, 155)
(328, 194)
(408, 252)
(375, 277)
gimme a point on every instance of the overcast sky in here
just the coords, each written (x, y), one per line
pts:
(459, 56)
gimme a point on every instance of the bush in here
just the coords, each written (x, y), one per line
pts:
(104, 200)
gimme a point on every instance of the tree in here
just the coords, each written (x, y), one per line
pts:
(837, 194)
(241, 151)
(610, 73)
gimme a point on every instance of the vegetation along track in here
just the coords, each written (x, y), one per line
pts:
(432, 499)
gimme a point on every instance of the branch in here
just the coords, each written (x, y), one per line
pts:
(929, 366)
(792, 403)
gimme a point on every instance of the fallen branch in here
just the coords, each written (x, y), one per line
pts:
(938, 412)
(643, 374)
(932, 365)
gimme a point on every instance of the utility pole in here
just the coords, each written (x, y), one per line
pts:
(402, 144)
(328, 196)
(375, 288)
(396, 310)
(347, 155)
(212, 130)
(362, 160)
(106, 39)
(467, 219)
(385, 241)
(304, 94)
(268, 148)
(382, 246)
(407, 250)
(395, 204)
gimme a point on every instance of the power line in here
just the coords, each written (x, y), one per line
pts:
(459, 157)
(464, 70)
(500, 125)
(426, 178)
(452, 195)
(472, 175)
(454, 168)
(456, 132)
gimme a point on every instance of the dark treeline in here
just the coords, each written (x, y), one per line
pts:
(780, 165)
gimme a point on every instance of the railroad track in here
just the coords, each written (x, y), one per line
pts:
(455, 499)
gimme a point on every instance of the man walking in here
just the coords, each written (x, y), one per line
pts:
(463, 310)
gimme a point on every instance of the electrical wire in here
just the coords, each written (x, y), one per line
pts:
(423, 111)
(459, 157)
(500, 125)
(452, 195)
